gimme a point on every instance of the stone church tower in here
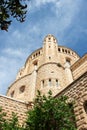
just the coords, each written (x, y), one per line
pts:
(48, 68)
(52, 67)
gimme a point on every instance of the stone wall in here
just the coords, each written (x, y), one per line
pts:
(50, 71)
(79, 67)
(10, 105)
(77, 92)
(28, 93)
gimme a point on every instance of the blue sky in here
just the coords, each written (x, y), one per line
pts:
(65, 19)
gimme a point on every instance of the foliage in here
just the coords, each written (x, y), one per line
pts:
(9, 124)
(50, 114)
(11, 9)
(2, 119)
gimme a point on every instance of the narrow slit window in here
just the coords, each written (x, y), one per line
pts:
(12, 94)
(56, 82)
(42, 83)
(49, 58)
(59, 49)
(39, 52)
(65, 51)
(85, 106)
(50, 82)
(62, 50)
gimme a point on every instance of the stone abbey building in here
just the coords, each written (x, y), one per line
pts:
(52, 67)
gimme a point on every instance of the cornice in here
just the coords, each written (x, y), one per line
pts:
(79, 62)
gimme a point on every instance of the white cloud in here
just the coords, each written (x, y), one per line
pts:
(65, 12)
(8, 71)
(13, 52)
(16, 34)
(38, 3)
(21, 42)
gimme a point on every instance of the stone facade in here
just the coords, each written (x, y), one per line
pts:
(54, 68)
(46, 68)
(10, 105)
(77, 92)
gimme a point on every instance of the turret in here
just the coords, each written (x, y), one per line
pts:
(50, 48)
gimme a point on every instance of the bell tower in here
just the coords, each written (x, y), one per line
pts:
(50, 48)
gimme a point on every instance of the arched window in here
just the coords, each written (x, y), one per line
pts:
(42, 83)
(35, 63)
(49, 58)
(85, 106)
(59, 49)
(68, 61)
(49, 38)
(49, 82)
(34, 55)
(12, 94)
(62, 50)
(39, 52)
(57, 83)
(68, 51)
(22, 89)
(65, 51)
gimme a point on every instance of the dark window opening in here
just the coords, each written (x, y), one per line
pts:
(49, 38)
(34, 55)
(35, 63)
(69, 52)
(85, 106)
(56, 82)
(49, 57)
(49, 82)
(59, 49)
(66, 51)
(12, 94)
(63, 50)
(22, 89)
(39, 52)
(42, 83)
(68, 61)
(52, 71)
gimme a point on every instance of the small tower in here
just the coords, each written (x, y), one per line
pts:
(50, 49)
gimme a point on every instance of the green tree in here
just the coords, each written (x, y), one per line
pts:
(2, 119)
(50, 113)
(11, 9)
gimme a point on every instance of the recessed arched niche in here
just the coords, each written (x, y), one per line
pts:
(12, 93)
(22, 89)
(35, 63)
